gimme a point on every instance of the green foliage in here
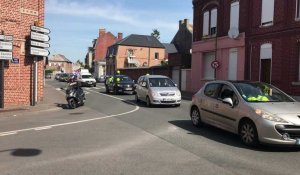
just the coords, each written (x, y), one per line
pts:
(48, 71)
(155, 33)
(164, 63)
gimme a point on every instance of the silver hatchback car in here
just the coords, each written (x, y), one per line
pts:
(157, 90)
(256, 111)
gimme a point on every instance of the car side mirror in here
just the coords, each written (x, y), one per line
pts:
(228, 101)
(175, 85)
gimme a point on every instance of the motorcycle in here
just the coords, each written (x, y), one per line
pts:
(75, 95)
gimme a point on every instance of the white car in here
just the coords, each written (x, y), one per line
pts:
(157, 90)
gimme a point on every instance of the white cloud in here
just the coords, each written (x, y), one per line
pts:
(105, 11)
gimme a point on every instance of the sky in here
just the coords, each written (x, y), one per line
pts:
(75, 23)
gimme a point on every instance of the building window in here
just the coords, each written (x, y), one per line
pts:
(267, 13)
(298, 9)
(210, 22)
(156, 55)
(234, 15)
(209, 72)
(265, 63)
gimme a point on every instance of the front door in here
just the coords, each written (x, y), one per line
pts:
(265, 70)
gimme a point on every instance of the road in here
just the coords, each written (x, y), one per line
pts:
(112, 134)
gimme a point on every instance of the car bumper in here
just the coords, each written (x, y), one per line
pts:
(166, 100)
(269, 133)
(88, 83)
(125, 89)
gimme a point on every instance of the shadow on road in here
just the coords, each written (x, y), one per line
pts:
(227, 138)
(63, 106)
(23, 152)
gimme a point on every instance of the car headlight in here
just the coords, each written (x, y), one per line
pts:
(154, 94)
(178, 93)
(269, 116)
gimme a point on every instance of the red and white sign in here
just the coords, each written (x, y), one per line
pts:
(215, 64)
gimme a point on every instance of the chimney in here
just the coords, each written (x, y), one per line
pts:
(180, 23)
(186, 22)
(101, 32)
(120, 36)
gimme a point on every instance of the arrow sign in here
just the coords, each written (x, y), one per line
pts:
(39, 44)
(40, 29)
(39, 37)
(39, 52)
(5, 55)
(6, 37)
(6, 45)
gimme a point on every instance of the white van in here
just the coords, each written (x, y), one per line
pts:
(86, 78)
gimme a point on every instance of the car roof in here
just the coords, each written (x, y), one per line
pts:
(233, 81)
(156, 76)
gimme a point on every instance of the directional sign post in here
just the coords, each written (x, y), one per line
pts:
(39, 52)
(39, 37)
(6, 45)
(39, 44)
(40, 29)
(6, 37)
(5, 55)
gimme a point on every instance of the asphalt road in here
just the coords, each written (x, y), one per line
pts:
(114, 135)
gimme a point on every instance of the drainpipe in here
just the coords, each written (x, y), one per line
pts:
(149, 58)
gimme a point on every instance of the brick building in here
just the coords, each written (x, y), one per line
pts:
(256, 40)
(135, 51)
(59, 63)
(16, 17)
(100, 47)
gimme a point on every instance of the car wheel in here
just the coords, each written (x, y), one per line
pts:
(195, 117)
(95, 85)
(106, 89)
(148, 102)
(72, 103)
(137, 98)
(248, 133)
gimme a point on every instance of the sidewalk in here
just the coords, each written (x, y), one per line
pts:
(51, 100)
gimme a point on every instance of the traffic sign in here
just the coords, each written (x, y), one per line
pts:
(5, 55)
(40, 29)
(6, 37)
(39, 52)
(39, 44)
(15, 61)
(6, 45)
(215, 64)
(39, 37)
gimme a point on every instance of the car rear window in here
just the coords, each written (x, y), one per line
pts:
(211, 90)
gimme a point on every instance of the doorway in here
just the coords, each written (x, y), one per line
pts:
(265, 70)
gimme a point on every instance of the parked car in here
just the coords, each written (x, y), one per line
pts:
(86, 78)
(48, 76)
(256, 111)
(157, 90)
(57, 76)
(119, 84)
(64, 77)
(101, 79)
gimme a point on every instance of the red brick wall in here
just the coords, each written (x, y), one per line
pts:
(104, 40)
(18, 79)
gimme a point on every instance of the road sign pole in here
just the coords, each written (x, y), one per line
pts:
(2, 84)
(34, 94)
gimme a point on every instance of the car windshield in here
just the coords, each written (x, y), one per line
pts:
(123, 78)
(161, 82)
(257, 92)
(87, 76)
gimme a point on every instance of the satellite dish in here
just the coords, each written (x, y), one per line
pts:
(233, 33)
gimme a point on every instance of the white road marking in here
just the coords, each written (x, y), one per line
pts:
(8, 133)
(72, 123)
(58, 89)
(96, 88)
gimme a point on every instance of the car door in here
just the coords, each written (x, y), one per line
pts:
(227, 115)
(138, 88)
(144, 89)
(207, 102)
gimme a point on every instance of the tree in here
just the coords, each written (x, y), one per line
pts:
(155, 33)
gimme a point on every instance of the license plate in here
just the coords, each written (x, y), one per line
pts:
(298, 142)
(128, 89)
(167, 99)
(89, 82)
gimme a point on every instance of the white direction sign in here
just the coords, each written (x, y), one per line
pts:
(40, 29)
(39, 37)
(39, 52)
(6, 37)
(39, 44)
(6, 45)
(5, 55)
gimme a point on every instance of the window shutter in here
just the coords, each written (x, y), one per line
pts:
(267, 14)
(234, 15)
(266, 51)
(205, 23)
